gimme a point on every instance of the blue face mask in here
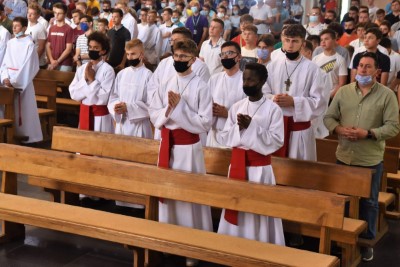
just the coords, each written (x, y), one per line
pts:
(204, 13)
(19, 34)
(314, 18)
(84, 26)
(194, 9)
(364, 80)
(171, 4)
(262, 53)
(174, 20)
(163, 5)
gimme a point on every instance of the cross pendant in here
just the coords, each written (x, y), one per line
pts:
(288, 83)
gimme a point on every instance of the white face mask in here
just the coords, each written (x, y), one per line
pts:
(220, 15)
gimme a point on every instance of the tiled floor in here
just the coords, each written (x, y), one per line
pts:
(46, 248)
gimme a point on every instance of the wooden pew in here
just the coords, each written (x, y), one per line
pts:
(7, 123)
(326, 149)
(321, 209)
(47, 89)
(64, 102)
(309, 175)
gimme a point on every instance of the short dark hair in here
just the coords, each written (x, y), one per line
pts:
(268, 39)
(61, 6)
(103, 20)
(246, 18)
(385, 42)
(219, 21)
(168, 9)
(258, 69)
(336, 27)
(184, 31)
(329, 32)
(375, 31)
(102, 39)
(386, 23)
(107, 2)
(295, 30)
(23, 21)
(370, 55)
(234, 44)
(94, 11)
(332, 12)
(350, 19)
(354, 8)
(89, 18)
(187, 45)
(119, 11)
(314, 38)
(380, 11)
(308, 45)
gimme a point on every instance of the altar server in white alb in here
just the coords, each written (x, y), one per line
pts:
(297, 86)
(226, 89)
(128, 100)
(20, 65)
(92, 86)
(254, 130)
(166, 71)
(182, 109)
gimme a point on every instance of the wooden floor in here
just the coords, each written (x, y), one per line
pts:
(46, 248)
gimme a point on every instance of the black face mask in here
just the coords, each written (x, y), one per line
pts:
(327, 21)
(292, 55)
(94, 55)
(385, 35)
(181, 66)
(250, 90)
(107, 10)
(133, 62)
(349, 31)
(228, 63)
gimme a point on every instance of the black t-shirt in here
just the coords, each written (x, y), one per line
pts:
(383, 62)
(118, 40)
(392, 18)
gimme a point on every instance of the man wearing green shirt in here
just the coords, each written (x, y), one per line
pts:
(4, 20)
(364, 114)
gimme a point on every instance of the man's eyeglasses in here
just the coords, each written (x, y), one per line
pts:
(182, 57)
(227, 53)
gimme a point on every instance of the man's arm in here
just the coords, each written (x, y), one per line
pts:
(384, 78)
(65, 54)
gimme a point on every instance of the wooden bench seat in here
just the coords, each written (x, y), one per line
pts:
(7, 123)
(321, 209)
(303, 174)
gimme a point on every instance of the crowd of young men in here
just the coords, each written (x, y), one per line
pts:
(171, 65)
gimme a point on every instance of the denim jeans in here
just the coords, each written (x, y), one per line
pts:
(369, 207)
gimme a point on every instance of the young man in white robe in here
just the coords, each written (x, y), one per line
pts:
(18, 70)
(226, 89)
(297, 86)
(166, 71)
(4, 37)
(128, 100)
(254, 130)
(182, 109)
(152, 39)
(92, 86)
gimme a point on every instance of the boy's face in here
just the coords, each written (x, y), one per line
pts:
(349, 25)
(380, 17)
(133, 53)
(101, 27)
(151, 18)
(371, 41)
(17, 27)
(384, 29)
(244, 24)
(249, 37)
(360, 32)
(76, 18)
(59, 14)
(292, 44)
(95, 46)
(32, 16)
(327, 42)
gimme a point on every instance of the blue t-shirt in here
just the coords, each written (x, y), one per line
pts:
(196, 25)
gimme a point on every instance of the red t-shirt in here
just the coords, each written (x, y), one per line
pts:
(239, 40)
(58, 38)
(330, 5)
(346, 39)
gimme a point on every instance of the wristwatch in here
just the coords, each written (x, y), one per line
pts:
(369, 135)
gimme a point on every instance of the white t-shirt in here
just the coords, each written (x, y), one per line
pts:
(334, 66)
(262, 13)
(394, 65)
(38, 32)
(210, 54)
(315, 30)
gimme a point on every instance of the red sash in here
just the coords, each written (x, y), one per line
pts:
(239, 160)
(290, 126)
(87, 114)
(170, 138)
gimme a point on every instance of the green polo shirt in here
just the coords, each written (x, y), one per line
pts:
(377, 111)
